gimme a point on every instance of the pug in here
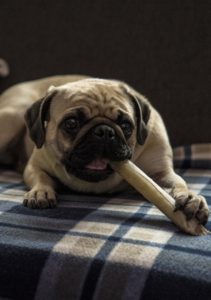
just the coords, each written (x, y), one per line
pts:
(67, 129)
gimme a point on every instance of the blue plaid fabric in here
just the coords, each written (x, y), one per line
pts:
(197, 156)
(102, 247)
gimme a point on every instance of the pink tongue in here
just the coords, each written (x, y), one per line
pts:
(97, 164)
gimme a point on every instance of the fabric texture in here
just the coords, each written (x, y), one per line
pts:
(102, 247)
(193, 156)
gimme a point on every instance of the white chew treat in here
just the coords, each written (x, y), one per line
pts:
(156, 195)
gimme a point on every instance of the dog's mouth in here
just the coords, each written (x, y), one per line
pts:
(89, 160)
(99, 164)
(96, 170)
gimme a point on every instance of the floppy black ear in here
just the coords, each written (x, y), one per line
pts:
(142, 112)
(35, 118)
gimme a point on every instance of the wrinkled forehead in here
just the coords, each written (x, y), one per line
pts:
(93, 97)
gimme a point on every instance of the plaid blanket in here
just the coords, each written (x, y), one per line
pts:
(102, 247)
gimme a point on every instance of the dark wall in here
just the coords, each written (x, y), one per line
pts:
(161, 47)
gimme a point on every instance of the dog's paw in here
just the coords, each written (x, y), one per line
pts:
(193, 206)
(40, 198)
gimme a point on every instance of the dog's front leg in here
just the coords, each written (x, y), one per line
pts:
(42, 193)
(191, 204)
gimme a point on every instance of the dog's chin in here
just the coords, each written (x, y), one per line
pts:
(95, 171)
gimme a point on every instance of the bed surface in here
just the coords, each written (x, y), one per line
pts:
(102, 247)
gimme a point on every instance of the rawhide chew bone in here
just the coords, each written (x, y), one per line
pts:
(156, 195)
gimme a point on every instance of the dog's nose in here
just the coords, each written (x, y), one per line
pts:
(104, 132)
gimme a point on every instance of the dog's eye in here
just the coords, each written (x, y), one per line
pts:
(71, 124)
(126, 128)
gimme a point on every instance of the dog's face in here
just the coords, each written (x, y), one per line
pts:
(89, 123)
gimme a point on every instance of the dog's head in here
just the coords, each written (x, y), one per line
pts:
(88, 123)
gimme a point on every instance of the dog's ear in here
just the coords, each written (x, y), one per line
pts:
(142, 113)
(35, 118)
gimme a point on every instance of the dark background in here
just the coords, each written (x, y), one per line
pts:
(160, 47)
